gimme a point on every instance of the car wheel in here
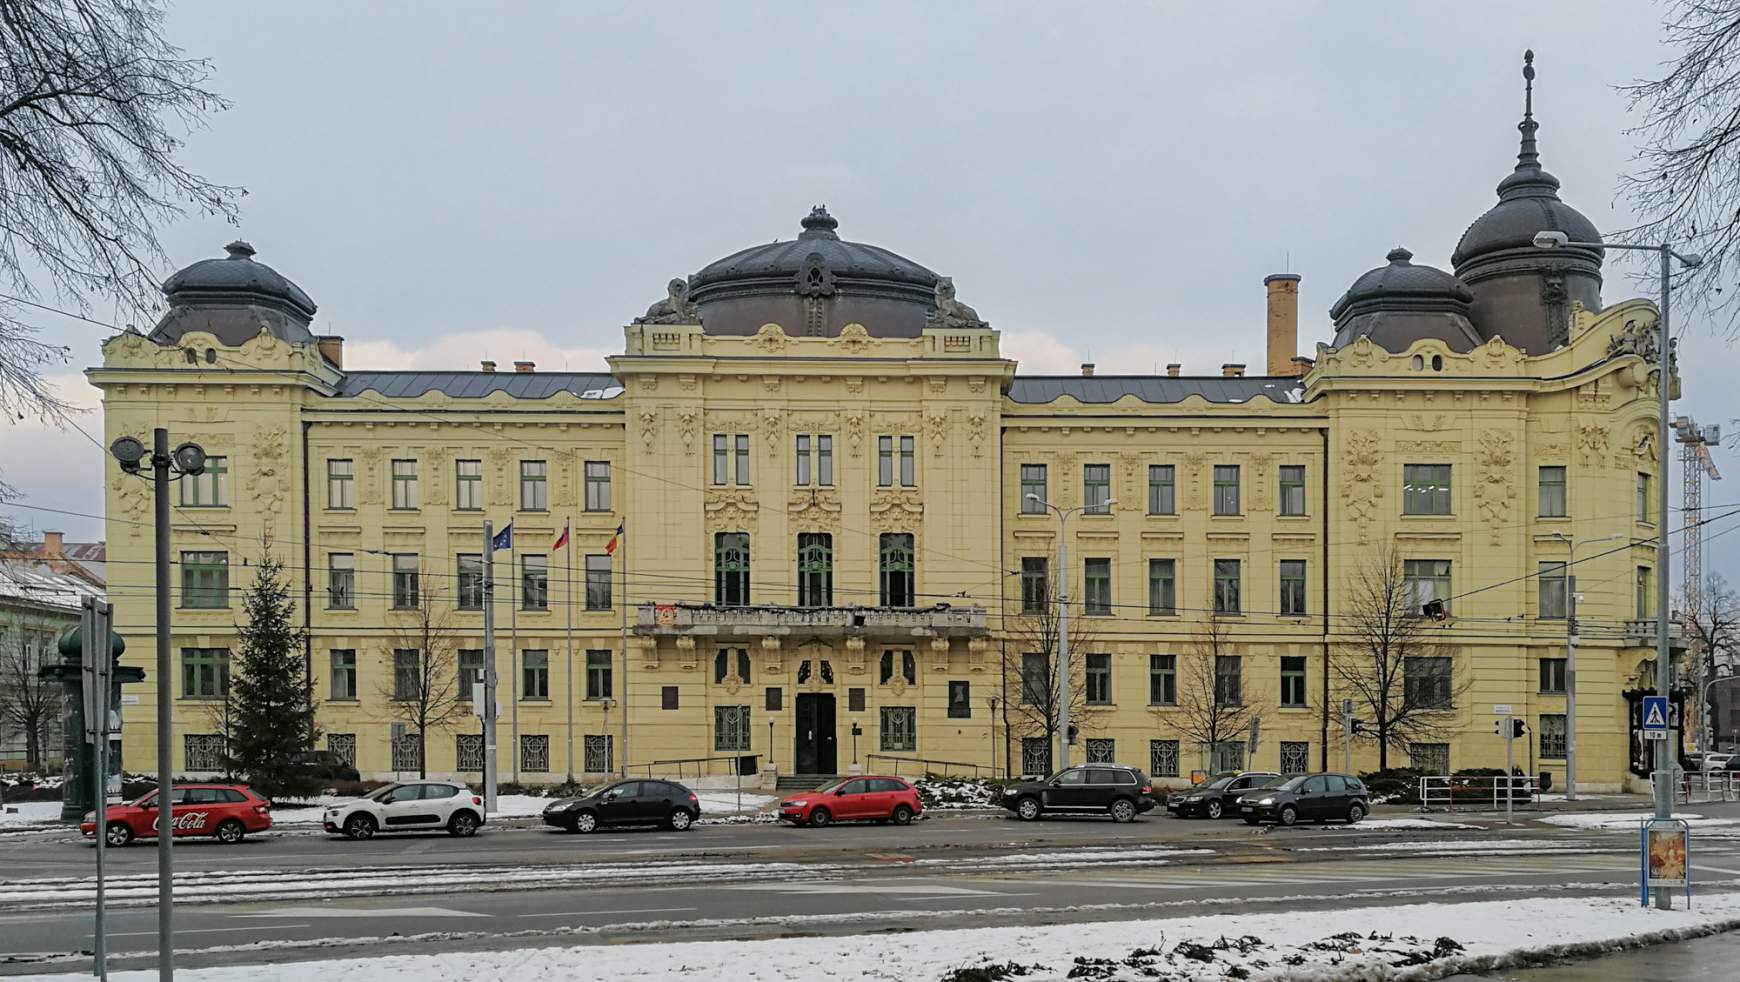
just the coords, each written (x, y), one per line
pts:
(1253, 821)
(1355, 813)
(821, 818)
(680, 820)
(902, 815)
(463, 824)
(1289, 815)
(360, 827)
(1028, 809)
(1123, 810)
(1214, 809)
(119, 834)
(230, 832)
(585, 822)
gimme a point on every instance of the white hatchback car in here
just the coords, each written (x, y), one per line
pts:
(406, 807)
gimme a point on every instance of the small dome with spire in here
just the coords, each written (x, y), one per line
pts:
(234, 298)
(1401, 303)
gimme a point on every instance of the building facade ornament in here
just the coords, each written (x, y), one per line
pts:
(1361, 486)
(675, 308)
(1495, 486)
(1592, 444)
(731, 509)
(771, 339)
(950, 313)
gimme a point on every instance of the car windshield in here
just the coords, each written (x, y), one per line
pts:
(1290, 784)
(1275, 782)
(830, 786)
(379, 793)
(1217, 784)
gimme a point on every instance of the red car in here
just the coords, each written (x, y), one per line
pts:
(854, 799)
(226, 812)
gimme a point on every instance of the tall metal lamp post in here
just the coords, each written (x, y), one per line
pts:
(1571, 657)
(1664, 755)
(188, 460)
(1063, 514)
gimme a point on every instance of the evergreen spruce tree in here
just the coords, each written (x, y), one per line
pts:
(271, 713)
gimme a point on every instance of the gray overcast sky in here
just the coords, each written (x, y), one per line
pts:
(452, 182)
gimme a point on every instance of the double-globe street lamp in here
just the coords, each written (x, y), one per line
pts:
(1062, 665)
(1664, 756)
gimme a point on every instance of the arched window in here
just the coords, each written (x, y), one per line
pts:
(815, 563)
(731, 569)
(887, 666)
(897, 569)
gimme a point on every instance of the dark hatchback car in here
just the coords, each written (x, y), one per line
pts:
(1307, 797)
(1217, 797)
(1110, 789)
(627, 803)
(324, 765)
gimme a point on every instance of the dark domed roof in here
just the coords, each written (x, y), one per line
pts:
(1528, 202)
(1401, 280)
(234, 298)
(1398, 304)
(783, 259)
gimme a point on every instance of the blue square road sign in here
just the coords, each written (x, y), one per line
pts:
(1655, 714)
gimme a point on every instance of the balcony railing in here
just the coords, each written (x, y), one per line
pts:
(1641, 631)
(713, 620)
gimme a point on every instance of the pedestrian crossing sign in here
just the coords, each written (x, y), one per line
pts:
(1655, 713)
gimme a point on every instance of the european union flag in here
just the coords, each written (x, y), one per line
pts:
(503, 539)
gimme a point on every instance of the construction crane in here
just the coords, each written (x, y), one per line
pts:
(1694, 441)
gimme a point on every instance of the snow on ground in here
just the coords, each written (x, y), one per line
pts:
(1077, 857)
(30, 813)
(1386, 824)
(1628, 821)
(1362, 943)
(725, 802)
(1415, 847)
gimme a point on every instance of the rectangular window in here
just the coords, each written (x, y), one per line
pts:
(1643, 508)
(1292, 680)
(205, 580)
(1035, 678)
(1293, 587)
(960, 700)
(1226, 586)
(1429, 758)
(1553, 676)
(1229, 685)
(897, 569)
(1162, 680)
(1162, 490)
(598, 674)
(468, 485)
(1553, 735)
(534, 485)
(201, 752)
(534, 582)
(855, 700)
(205, 673)
(774, 699)
(535, 753)
(1162, 587)
(1162, 758)
(1099, 679)
(801, 456)
(534, 674)
(1033, 494)
(1096, 489)
(1101, 751)
(598, 485)
(600, 753)
(908, 463)
(815, 565)
(1295, 757)
(340, 484)
(1551, 590)
(825, 460)
(1426, 681)
(343, 674)
(1425, 489)
(1226, 489)
(210, 488)
(470, 592)
(1293, 489)
(405, 484)
(1036, 756)
(669, 698)
(468, 752)
(731, 728)
(884, 461)
(1097, 577)
(407, 674)
(899, 728)
(1035, 590)
(742, 454)
(470, 674)
(731, 568)
(721, 459)
(1552, 492)
(407, 749)
(598, 582)
(406, 578)
(1425, 580)
(1227, 755)
(341, 581)
(342, 746)
(1644, 603)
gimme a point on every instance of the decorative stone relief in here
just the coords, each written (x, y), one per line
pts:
(1432, 448)
(771, 339)
(1363, 353)
(1360, 487)
(854, 384)
(938, 384)
(854, 423)
(1592, 444)
(1131, 461)
(1260, 481)
(1428, 423)
(731, 509)
(938, 426)
(1496, 356)
(687, 382)
(770, 383)
(265, 489)
(435, 462)
(976, 433)
(1495, 485)
(499, 474)
(373, 482)
(649, 383)
(1194, 464)
(853, 340)
(686, 420)
(976, 384)
(649, 429)
(132, 494)
(772, 425)
(1642, 340)
(896, 509)
(819, 509)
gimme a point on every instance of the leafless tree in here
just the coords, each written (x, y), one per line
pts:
(220, 716)
(426, 698)
(28, 704)
(1713, 629)
(1030, 670)
(94, 105)
(1390, 665)
(1686, 181)
(1212, 708)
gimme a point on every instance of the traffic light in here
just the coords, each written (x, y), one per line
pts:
(1517, 729)
(1073, 730)
(1433, 609)
(1357, 727)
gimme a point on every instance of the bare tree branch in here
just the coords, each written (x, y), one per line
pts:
(1030, 669)
(1212, 708)
(428, 698)
(28, 704)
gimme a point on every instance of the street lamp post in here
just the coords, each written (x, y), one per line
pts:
(1571, 658)
(1063, 514)
(1664, 756)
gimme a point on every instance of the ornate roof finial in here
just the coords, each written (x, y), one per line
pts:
(819, 224)
(1528, 157)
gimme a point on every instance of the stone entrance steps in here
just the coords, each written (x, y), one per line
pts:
(803, 782)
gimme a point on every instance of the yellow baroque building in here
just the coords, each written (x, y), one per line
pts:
(838, 550)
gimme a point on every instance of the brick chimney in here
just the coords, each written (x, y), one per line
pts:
(54, 543)
(524, 367)
(1173, 369)
(488, 366)
(331, 348)
(1302, 365)
(1087, 369)
(1283, 327)
(1232, 370)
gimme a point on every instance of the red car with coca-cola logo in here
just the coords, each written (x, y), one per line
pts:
(226, 812)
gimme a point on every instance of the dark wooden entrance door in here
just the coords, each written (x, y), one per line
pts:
(815, 734)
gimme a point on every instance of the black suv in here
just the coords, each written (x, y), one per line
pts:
(627, 803)
(1119, 791)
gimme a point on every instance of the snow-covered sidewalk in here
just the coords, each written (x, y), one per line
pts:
(1420, 941)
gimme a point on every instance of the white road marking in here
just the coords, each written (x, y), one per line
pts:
(840, 886)
(207, 930)
(1716, 869)
(604, 913)
(365, 912)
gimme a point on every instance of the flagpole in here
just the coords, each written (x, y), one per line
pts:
(568, 560)
(514, 647)
(490, 676)
(622, 761)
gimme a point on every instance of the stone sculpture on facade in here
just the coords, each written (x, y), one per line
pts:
(951, 314)
(676, 308)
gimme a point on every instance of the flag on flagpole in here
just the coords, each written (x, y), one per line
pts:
(561, 540)
(610, 547)
(503, 539)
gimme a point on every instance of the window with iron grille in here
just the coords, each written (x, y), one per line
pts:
(1096, 489)
(406, 578)
(960, 700)
(535, 753)
(1226, 489)
(205, 580)
(731, 728)
(1101, 750)
(407, 751)
(598, 485)
(599, 753)
(1426, 681)
(535, 674)
(1035, 678)
(1292, 680)
(534, 582)
(897, 569)
(1162, 490)
(1097, 575)
(468, 752)
(1429, 758)
(342, 747)
(598, 582)
(203, 751)
(731, 568)
(899, 728)
(1035, 755)
(1293, 587)
(1553, 735)
(1099, 679)
(210, 488)
(1162, 758)
(1425, 489)
(1295, 757)
(1229, 686)
(1035, 591)
(598, 679)
(1227, 755)
(404, 484)
(1162, 587)
(1226, 586)
(1553, 499)
(407, 673)
(343, 674)
(468, 485)
(470, 587)
(815, 563)
(1033, 493)
(1162, 680)
(1293, 489)
(340, 484)
(205, 673)
(341, 581)
(1552, 675)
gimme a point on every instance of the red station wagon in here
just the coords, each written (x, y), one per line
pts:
(854, 799)
(226, 812)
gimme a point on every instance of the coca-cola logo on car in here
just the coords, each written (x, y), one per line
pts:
(189, 822)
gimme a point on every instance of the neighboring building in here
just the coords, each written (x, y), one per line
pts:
(41, 588)
(821, 460)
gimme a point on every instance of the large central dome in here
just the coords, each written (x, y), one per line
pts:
(814, 286)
